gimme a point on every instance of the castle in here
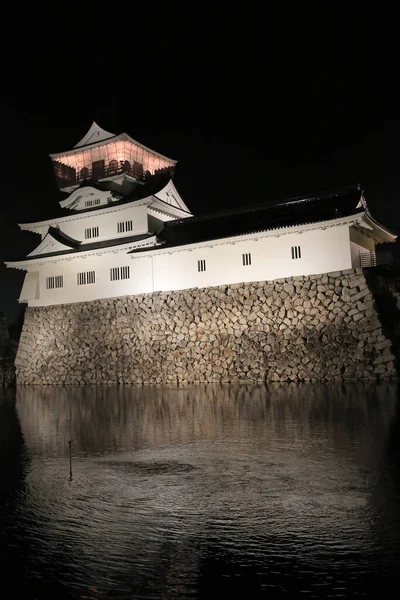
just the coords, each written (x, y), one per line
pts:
(128, 286)
(123, 229)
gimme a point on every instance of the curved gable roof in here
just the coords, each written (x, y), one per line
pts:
(151, 189)
(94, 135)
(55, 241)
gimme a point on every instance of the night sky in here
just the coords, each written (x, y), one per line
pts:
(256, 106)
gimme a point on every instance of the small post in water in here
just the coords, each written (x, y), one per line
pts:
(70, 461)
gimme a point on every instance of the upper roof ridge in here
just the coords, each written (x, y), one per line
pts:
(93, 135)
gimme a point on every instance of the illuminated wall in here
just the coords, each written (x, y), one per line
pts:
(140, 279)
(322, 251)
(106, 221)
(114, 154)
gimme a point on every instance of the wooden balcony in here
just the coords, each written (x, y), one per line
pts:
(68, 176)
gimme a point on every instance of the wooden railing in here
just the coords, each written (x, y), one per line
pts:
(67, 176)
(376, 259)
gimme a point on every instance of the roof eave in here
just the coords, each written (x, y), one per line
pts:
(33, 227)
(273, 231)
(380, 231)
(93, 211)
(16, 265)
(79, 149)
(70, 254)
(125, 136)
(175, 212)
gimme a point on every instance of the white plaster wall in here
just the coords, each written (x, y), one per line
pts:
(140, 279)
(322, 251)
(107, 223)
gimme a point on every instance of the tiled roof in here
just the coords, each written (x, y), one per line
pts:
(261, 217)
(153, 185)
(63, 238)
(86, 247)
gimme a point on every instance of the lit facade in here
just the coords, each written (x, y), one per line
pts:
(123, 229)
(101, 155)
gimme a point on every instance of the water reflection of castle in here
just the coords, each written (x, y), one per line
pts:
(168, 480)
(99, 418)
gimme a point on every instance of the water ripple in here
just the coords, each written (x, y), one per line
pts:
(200, 492)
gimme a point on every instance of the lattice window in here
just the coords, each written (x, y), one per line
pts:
(91, 232)
(201, 265)
(86, 278)
(55, 281)
(246, 258)
(124, 226)
(94, 202)
(296, 252)
(117, 273)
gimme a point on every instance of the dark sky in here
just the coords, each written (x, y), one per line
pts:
(256, 103)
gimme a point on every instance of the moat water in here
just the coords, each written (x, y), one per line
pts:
(201, 492)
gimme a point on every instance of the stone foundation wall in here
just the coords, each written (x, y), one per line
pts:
(321, 327)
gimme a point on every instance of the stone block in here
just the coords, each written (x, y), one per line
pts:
(362, 294)
(358, 316)
(196, 335)
(356, 281)
(348, 272)
(384, 358)
(335, 274)
(382, 344)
